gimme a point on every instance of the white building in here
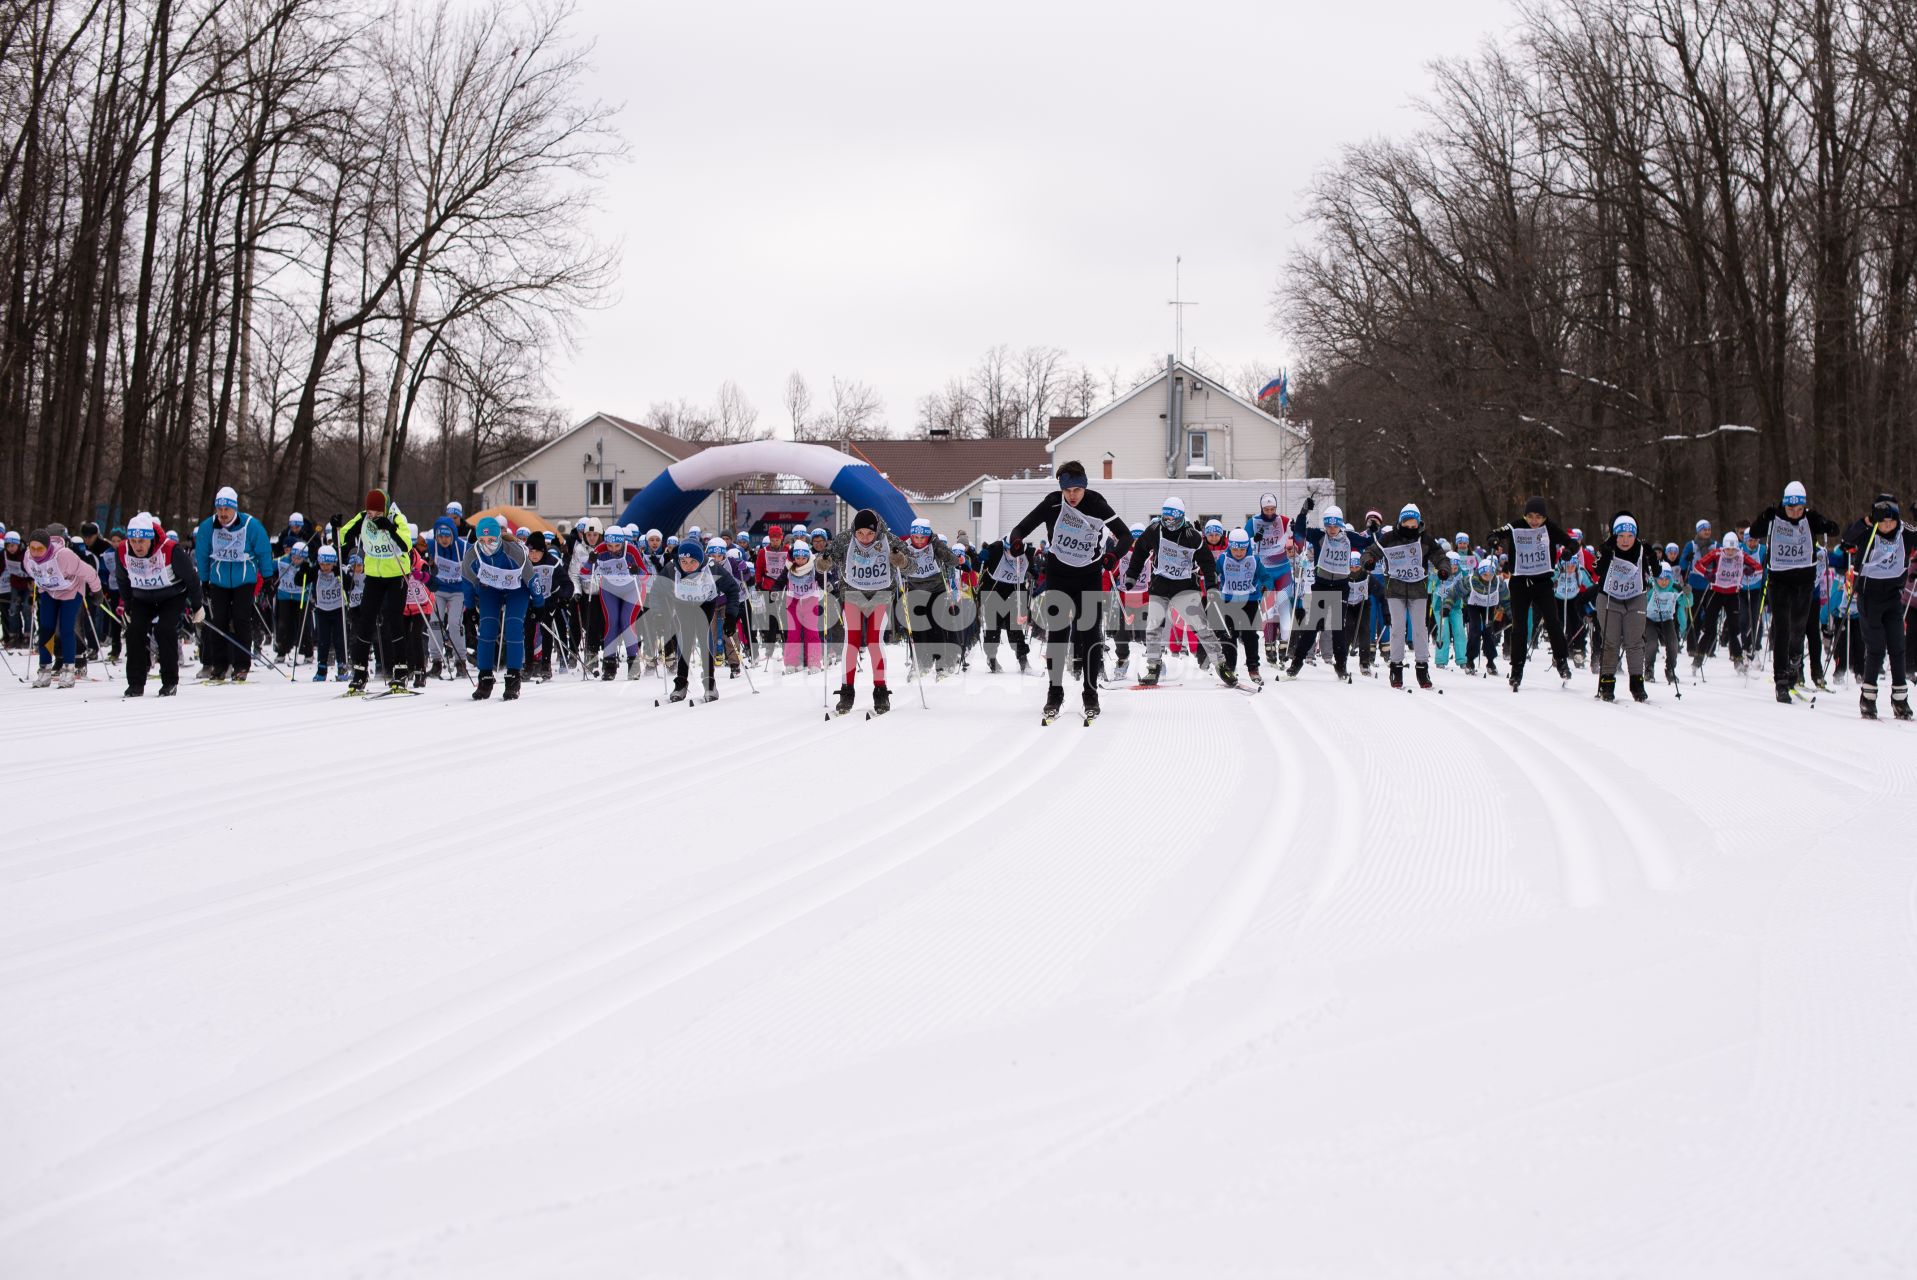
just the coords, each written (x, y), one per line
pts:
(594, 470)
(1182, 424)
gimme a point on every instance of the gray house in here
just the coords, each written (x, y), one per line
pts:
(594, 470)
(1183, 424)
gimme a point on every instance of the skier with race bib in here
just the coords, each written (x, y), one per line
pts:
(496, 570)
(1531, 549)
(383, 537)
(162, 587)
(1071, 607)
(1790, 532)
(1723, 567)
(1623, 571)
(1180, 561)
(1407, 553)
(1880, 548)
(232, 554)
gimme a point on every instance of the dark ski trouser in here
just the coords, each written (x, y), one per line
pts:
(1793, 602)
(1069, 611)
(1662, 633)
(1531, 595)
(1720, 608)
(381, 618)
(141, 617)
(694, 627)
(288, 616)
(929, 616)
(231, 610)
(329, 636)
(998, 615)
(1235, 623)
(1480, 635)
(1882, 612)
(1360, 630)
(1325, 611)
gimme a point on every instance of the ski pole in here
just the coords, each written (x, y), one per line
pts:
(299, 636)
(86, 611)
(207, 623)
(911, 646)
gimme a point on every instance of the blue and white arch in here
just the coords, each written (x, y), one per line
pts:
(681, 487)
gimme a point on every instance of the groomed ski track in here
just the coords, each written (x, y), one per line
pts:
(1333, 981)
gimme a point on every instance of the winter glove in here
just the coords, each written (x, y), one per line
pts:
(1311, 502)
(385, 524)
(337, 520)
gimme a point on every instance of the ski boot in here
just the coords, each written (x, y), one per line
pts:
(1257, 677)
(1670, 674)
(732, 671)
(485, 687)
(1490, 667)
(43, 678)
(1090, 700)
(205, 672)
(358, 683)
(239, 677)
(1292, 668)
(1271, 653)
(1563, 669)
(434, 671)
(1024, 664)
(991, 664)
(609, 668)
(881, 699)
(169, 690)
(1516, 679)
(632, 668)
(1364, 666)
(843, 705)
(512, 687)
(712, 691)
(678, 694)
(1607, 688)
(1784, 694)
(1338, 668)
(1638, 692)
(319, 677)
(1054, 700)
(1900, 702)
(1867, 702)
(1397, 675)
(1424, 675)
(1154, 668)
(396, 681)
(419, 680)
(1227, 676)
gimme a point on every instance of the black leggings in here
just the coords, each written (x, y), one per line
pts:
(1069, 612)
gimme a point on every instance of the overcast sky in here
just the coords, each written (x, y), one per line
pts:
(882, 191)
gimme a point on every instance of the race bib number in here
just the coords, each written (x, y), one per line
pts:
(499, 578)
(697, 588)
(1078, 537)
(1404, 561)
(1175, 561)
(149, 573)
(867, 568)
(1624, 579)
(1533, 552)
(229, 545)
(1791, 546)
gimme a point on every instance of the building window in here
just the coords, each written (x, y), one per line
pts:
(599, 493)
(524, 493)
(978, 508)
(1199, 450)
(630, 494)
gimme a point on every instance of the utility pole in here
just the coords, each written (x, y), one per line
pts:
(1178, 305)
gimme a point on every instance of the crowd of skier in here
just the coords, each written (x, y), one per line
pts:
(375, 594)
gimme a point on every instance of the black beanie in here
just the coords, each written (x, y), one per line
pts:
(1535, 506)
(866, 519)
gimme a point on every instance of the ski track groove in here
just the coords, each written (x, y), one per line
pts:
(541, 1006)
(246, 901)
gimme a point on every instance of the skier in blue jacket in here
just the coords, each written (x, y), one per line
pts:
(233, 554)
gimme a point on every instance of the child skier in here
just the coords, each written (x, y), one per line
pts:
(1242, 580)
(1723, 567)
(291, 594)
(329, 614)
(1667, 610)
(1449, 587)
(1001, 588)
(1180, 559)
(804, 596)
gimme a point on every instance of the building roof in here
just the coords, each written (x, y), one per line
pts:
(673, 447)
(1158, 380)
(679, 450)
(937, 468)
(1058, 424)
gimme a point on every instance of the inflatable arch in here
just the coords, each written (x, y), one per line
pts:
(671, 497)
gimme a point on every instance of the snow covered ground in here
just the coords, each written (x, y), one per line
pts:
(1332, 981)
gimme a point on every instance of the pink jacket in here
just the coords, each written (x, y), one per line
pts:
(62, 574)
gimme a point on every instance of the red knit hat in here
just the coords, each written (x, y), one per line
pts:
(375, 500)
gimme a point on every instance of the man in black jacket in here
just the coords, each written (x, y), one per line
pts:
(1079, 520)
(160, 585)
(1792, 530)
